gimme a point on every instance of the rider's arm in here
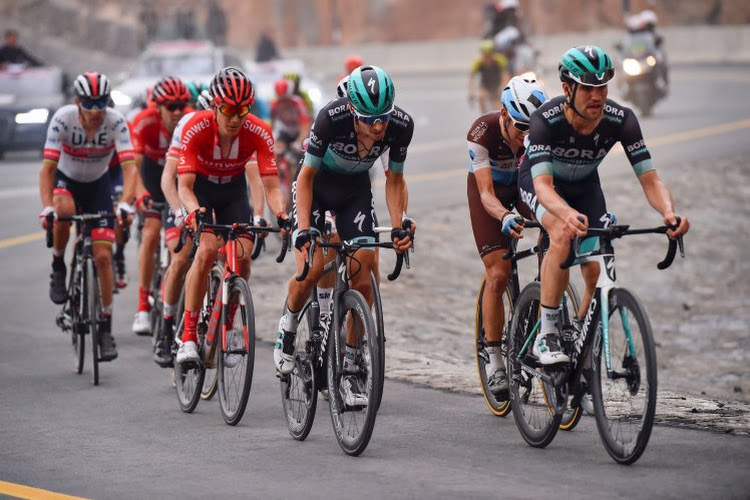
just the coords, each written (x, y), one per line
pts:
(477, 141)
(185, 183)
(395, 197)
(304, 195)
(52, 151)
(47, 181)
(474, 70)
(124, 151)
(257, 191)
(490, 202)
(168, 184)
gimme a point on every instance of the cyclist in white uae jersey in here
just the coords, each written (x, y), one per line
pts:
(81, 140)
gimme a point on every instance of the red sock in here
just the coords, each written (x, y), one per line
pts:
(191, 325)
(143, 304)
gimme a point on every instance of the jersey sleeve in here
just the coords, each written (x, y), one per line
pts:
(539, 149)
(138, 126)
(635, 146)
(123, 144)
(265, 154)
(320, 139)
(174, 144)
(476, 141)
(188, 157)
(397, 151)
(55, 132)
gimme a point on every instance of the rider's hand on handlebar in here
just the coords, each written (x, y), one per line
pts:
(179, 217)
(671, 220)
(43, 216)
(143, 202)
(284, 223)
(190, 220)
(575, 224)
(260, 221)
(512, 225)
(402, 239)
(303, 239)
(126, 207)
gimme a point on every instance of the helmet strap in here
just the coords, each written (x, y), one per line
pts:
(572, 99)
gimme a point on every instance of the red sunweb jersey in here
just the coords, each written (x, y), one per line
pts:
(201, 152)
(149, 136)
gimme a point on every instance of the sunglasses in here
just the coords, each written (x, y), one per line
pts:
(89, 104)
(175, 105)
(523, 127)
(231, 110)
(592, 80)
(371, 120)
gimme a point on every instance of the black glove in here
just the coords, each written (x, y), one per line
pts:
(303, 236)
(284, 222)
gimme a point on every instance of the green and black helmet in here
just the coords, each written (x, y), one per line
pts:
(370, 91)
(588, 65)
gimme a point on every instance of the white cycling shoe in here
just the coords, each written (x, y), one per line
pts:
(548, 351)
(353, 395)
(142, 323)
(188, 353)
(283, 351)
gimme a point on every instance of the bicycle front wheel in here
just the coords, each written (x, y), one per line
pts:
(377, 316)
(353, 418)
(91, 299)
(499, 408)
(535, 402)
(625, 397)
(299, 390)
(75, 308)
(237, 351)
(570, 305)
(188, 378)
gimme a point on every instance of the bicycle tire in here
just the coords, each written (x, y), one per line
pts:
(188, 379)
(74, 305)
(608, 394)
(353, 440)
(91, 291)
(299, 389)
(498, 408)
(211, 379)
(377, 316)
(570, 305)
(536, 417)
(232, 356)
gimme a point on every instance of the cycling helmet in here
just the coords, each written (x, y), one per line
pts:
(195, 89)
(293, 77)
(588, 65)
(283, 88)
(648, 18)
(232, 86)
(486, 46)
(91, 86)
(203, 101)
(521, 97)
(353, 62)
(341, 88)
(370, 91)
(170, 89)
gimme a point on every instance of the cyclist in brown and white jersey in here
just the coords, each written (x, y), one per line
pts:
(495, 142)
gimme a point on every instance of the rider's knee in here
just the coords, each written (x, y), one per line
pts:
(205, 256)
(496, 279)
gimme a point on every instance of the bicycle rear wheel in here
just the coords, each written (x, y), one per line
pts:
(570, 305)
(537, 408)
(91, 299)
(625, 399)
(237, 351)
(377, 316)
(353, 425)
(499, 408)
(299, 390)
(188, 377)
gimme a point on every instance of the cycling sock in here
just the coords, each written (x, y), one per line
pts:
(324, 299)
(291, 320)
(496, 362)
(58, 263)
(350, 366)
(550, 315)
(143, 304)
(58, 253)
(191, 325)
(170, 310)
(167, 329)
(107, 310)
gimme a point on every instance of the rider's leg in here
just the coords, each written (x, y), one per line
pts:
(197, 283)
(590, 273)
(102, 250)
(173, 280)
(496, 273)
(147, 259)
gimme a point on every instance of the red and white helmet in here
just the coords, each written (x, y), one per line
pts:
(232, 86)
(91, 86)
(170, 89)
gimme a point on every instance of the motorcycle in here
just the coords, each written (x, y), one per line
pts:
(644, 67)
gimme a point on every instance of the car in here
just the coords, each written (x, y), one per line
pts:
(28, 99)
(190, 60)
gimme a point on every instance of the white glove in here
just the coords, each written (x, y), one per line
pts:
(43, 216)
(127, 207)
(179, 217)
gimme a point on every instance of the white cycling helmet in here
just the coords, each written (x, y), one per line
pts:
(520, 98)
(649, 18)
(342, 86)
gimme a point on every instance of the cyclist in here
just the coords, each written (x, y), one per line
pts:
(291, 121)
(216, 146)
(115, 176)
(570, 136)
(75, 176)
(348, 136)
(195, 88)
(492, 69)
(152, 131)
(495, 142)
(296, 80)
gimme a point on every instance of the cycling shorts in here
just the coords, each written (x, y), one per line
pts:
(488, 231)
(228, 202)
(89, 198)
(583, 195)
(349, 197)
(151, 177)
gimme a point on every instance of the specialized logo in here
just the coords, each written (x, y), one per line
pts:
(609, 265)
(359, 219)
(371, 84)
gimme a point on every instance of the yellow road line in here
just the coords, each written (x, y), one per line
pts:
(21, 491)
(19, 240)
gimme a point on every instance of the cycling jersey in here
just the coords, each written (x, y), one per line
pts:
(175, 144)
(333, 142)
(487, 149)
(555, 148)
(201, 154)
(150, 138)
(490, 72)
(288, 114)
(82, 159)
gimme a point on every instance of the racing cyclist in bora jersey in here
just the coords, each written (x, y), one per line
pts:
(347, 137)
(151, 133)
(559, 181)
(81, 140)
(216, 147)
(495, 142)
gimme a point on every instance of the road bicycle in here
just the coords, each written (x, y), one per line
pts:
(319, 353)
(81, 313)
(612, 353)
(226, 329)
(569, 309)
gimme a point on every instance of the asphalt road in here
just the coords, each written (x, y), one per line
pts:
(128, 439)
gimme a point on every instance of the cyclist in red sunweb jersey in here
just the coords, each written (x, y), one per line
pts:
(152, 132)
(216, 146)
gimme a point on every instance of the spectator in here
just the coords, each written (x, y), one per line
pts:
(12, 53)
(216, 23)
(266, 50)
(149, 21)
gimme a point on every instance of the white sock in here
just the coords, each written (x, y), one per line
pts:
(549, 320)
(324, 299)
(349, 355)
(58, 253)
(496, 360)
(291, 321)
(170, 310)
(107, 310)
